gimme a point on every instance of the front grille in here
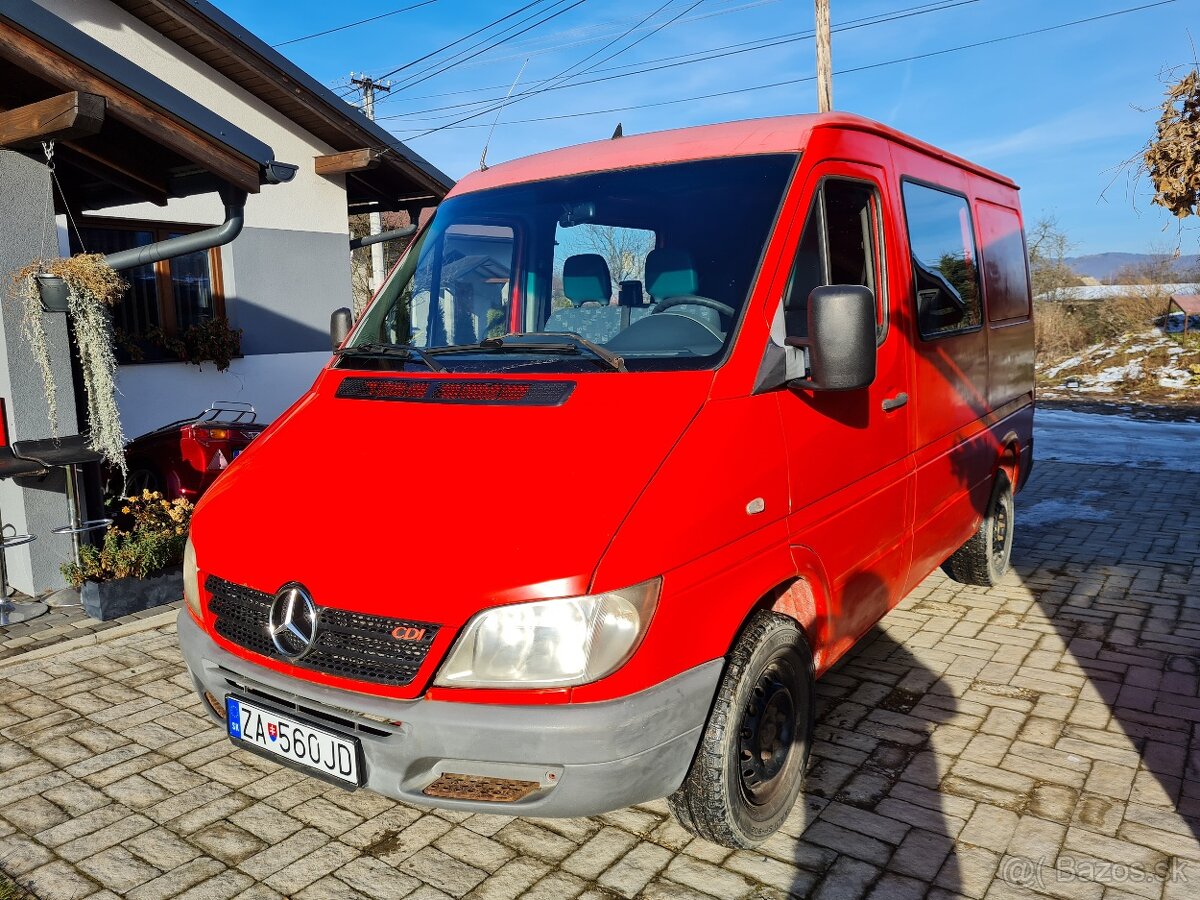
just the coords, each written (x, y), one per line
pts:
(347, 644)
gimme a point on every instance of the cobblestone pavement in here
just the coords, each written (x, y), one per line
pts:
(1042, 738)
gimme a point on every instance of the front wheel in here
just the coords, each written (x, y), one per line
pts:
(749, 767)
(983, 560)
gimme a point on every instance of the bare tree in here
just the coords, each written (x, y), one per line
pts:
(1049, 247)
(624, 249)
(360, 260)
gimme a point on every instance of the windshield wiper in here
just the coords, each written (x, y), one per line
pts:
(572, 344)
(378, 349)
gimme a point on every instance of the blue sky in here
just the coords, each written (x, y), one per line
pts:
(1059, 112)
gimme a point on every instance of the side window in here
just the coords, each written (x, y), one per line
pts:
(1005, 275)
(941, 240)
(461, 293)
(840, 245)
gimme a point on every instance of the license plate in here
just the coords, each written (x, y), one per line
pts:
(308, 746)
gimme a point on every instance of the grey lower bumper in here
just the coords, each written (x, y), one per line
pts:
(588, 758)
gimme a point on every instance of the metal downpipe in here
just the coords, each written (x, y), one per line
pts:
(235, 218)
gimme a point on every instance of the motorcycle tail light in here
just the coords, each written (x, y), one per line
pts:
(212, 434)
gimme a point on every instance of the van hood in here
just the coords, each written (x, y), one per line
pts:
(432, 511)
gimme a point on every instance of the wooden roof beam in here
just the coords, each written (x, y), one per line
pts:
(50, 65)
(349, 161)
(65, 117)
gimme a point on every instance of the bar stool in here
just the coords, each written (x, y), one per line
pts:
(67, 453)
(14, 611)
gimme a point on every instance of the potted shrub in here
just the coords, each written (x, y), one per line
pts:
(139, 562)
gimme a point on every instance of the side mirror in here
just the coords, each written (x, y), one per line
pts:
(939, 305)
(340, 324)
(841, 339)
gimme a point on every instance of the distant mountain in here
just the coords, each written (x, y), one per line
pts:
(1104, 266)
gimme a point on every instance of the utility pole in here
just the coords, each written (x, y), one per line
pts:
(369, 86)
(824, 58)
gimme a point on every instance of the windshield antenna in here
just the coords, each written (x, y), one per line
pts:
(483, 156)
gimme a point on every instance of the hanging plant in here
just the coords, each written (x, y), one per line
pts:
(92, 287)
(1171, 158)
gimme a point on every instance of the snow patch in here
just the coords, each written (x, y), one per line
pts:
(1095, 439)
(1051, 512)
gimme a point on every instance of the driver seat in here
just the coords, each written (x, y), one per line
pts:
(671, 273)
(586, 279)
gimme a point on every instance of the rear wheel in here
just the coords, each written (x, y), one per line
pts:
(984, 559)
(142, 479)
(749, 766)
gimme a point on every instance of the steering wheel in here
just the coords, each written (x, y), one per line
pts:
(694, 300)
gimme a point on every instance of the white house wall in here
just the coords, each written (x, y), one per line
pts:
(310, 202)
(281, 278)
(271, 382)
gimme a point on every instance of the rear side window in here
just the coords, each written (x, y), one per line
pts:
(945, 262)
(840, 245)
(1005, 275)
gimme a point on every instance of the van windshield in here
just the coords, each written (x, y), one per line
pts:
(651, 264)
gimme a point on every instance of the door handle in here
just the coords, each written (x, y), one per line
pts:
(896, 402)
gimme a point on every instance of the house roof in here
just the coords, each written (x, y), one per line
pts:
(154, 142)
(402, 178)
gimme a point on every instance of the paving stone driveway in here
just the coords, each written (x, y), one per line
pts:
(1042, 738)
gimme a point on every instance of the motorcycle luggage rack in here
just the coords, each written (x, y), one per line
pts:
(221, 410)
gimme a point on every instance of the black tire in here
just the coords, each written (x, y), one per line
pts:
(142, 478)
(984, 559)
(749, 767)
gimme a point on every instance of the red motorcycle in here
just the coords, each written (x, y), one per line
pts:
(183, 458)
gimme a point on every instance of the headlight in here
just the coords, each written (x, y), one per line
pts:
(551, 643)
(191, 580)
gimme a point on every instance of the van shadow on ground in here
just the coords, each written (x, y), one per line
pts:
(1113, 556)
(1054, 718)
(871, 821)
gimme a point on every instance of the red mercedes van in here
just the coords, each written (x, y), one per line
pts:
(634, 444)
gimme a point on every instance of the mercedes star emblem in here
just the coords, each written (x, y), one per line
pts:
(293, 621)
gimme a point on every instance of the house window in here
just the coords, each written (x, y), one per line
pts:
(164, 298)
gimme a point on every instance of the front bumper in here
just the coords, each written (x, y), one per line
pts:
(587, 758)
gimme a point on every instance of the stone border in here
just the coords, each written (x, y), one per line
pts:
(99, 637)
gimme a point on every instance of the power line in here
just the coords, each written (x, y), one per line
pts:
(534, 93)
(670, 62)
(558, 47)
(794, 35)
(317, 34)
(418, 78)
(849, 71)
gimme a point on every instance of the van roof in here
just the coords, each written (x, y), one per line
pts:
(778, 134)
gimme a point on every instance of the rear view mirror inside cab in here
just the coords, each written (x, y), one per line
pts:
(577, 214)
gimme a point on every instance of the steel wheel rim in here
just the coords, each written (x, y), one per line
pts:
(767, 735)
(1000, 526)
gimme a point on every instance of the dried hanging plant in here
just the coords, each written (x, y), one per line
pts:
(92, 287)
(1172, 157)
(33, 326)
